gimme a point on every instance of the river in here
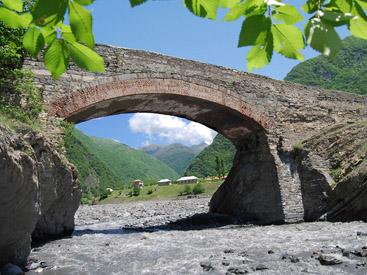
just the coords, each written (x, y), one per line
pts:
(178, 237)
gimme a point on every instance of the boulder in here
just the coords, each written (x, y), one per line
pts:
(39, 193)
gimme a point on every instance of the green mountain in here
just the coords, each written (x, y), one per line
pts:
(346, 72)
(177, 156)
(94, 174)
(130, 164)
(121, 164)
(204, 164)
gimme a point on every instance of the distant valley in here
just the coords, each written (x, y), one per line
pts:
(104, 163)
(177, 156)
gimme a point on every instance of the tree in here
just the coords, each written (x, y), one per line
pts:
(268, 26)
(198, 189)
(187, 189)
(219, 166)
(136, 191)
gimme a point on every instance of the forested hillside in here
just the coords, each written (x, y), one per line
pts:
(94, 174)
(346, 72)
(109, 160)
(177, 156)
(204, 164)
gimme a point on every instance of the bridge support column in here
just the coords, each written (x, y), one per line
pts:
(257, 188)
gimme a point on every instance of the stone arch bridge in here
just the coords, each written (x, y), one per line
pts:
(263, 117)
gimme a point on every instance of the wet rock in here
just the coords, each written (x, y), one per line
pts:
(34, 266)
(237, 270)
(284, 256)
(346, 253)
(294, 259)
(270, 252)
(243, 254)
(329, 260)
(361, 234)
(228, 251)
(207, 266)
(360, 253)
(225, 263)
(261, 267)
(10, 269)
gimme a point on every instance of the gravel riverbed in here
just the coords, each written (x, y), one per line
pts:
(179, 237)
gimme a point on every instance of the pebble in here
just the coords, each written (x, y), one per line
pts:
(329, 260)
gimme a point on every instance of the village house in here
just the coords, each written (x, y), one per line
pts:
(138, 183)
(164, 182)
(191, 179)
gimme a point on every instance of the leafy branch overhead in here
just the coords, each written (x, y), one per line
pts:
(45, 27)
(268, 26)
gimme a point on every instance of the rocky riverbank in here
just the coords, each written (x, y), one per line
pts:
(39, 192)
(178, 237)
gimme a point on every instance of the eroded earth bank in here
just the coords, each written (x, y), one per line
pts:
(177, 237)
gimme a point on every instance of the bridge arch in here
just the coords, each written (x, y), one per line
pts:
(235, 119)
(230, 116)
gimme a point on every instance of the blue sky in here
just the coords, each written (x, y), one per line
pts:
(167, 27)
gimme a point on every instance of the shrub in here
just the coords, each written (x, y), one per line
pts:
(187, 189)
(150, 191)
(84, 201)
(198, 189)
(104, 194)
(136, 191)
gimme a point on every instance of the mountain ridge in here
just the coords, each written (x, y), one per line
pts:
(175, 155)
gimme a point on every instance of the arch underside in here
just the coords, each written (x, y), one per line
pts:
(230, 123)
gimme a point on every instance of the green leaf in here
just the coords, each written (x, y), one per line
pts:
(49, 35)
(33, 41)
(254, 29)
(67, 34)
(343, 6)
(56, 58)
(243, 8)
(322, 37)
(260, 55)
(81, 24)
(362, 3)
(288, 40)
(49, 13)
(86, 58)
(84, 2)
(14, 4)
(336, 18)
(134, 3)
(310, 6)
(14, 20)
(358, 25)
(288, 14)
(228, 4)
(203, 8)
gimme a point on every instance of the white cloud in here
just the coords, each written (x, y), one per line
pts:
(172, 129)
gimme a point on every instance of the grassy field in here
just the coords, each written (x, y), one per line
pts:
(160, 192)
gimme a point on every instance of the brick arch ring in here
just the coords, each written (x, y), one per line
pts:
(216, 109)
